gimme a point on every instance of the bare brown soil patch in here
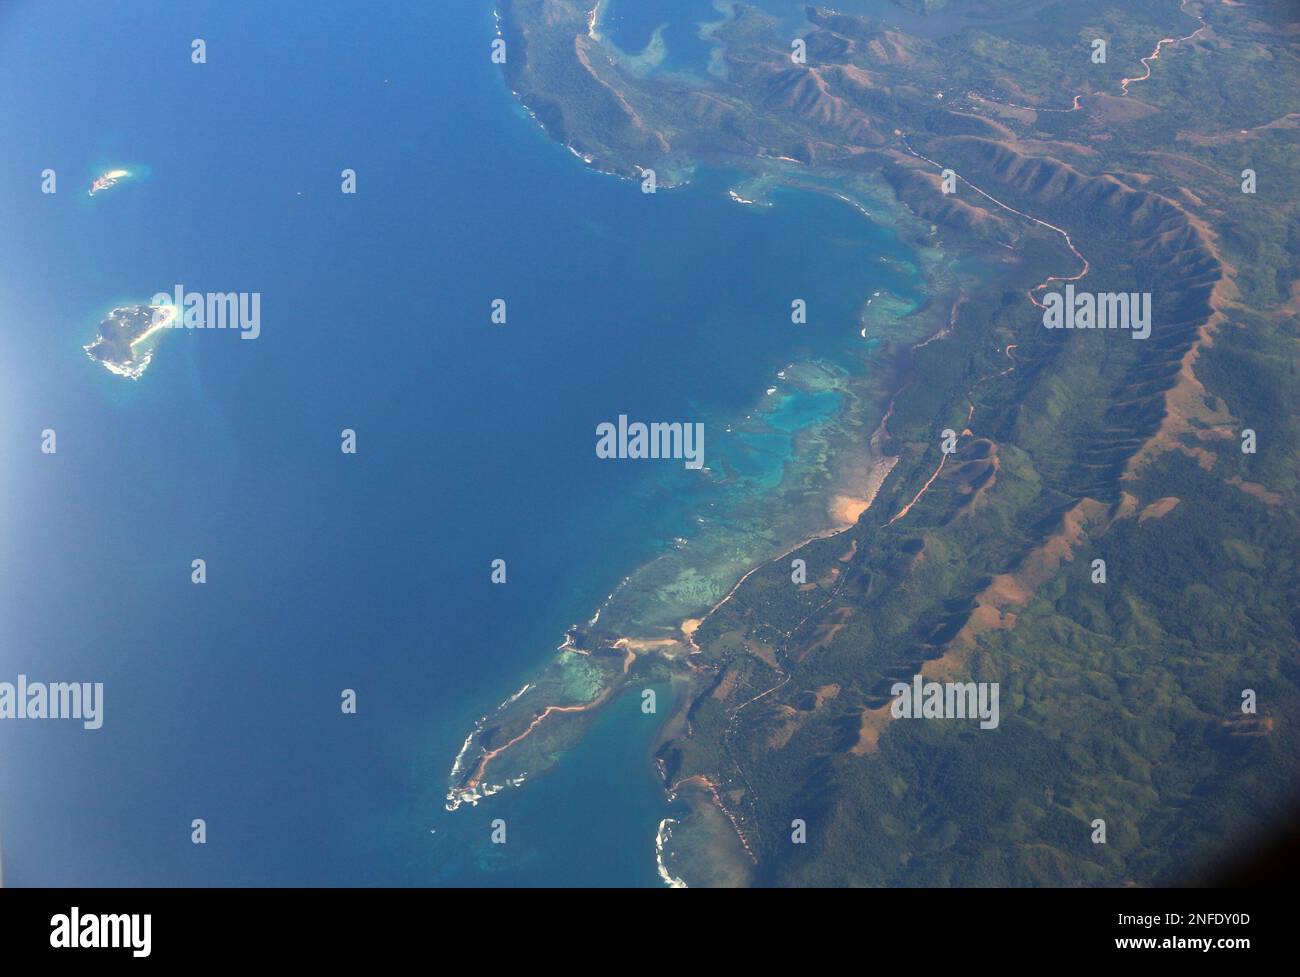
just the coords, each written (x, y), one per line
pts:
(1158, 509)
(827, 632)
(1258, 491)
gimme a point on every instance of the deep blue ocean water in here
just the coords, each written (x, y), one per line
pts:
(476, 441)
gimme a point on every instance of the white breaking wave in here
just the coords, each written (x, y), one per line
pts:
(662, 836)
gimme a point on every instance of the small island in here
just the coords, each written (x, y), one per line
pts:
(126, 338)
(108, 180)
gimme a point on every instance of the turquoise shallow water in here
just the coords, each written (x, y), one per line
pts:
(476, 442)
(630, 25)
(800, 409)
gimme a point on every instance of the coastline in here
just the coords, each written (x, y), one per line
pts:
(844, 503)
(674, 647)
